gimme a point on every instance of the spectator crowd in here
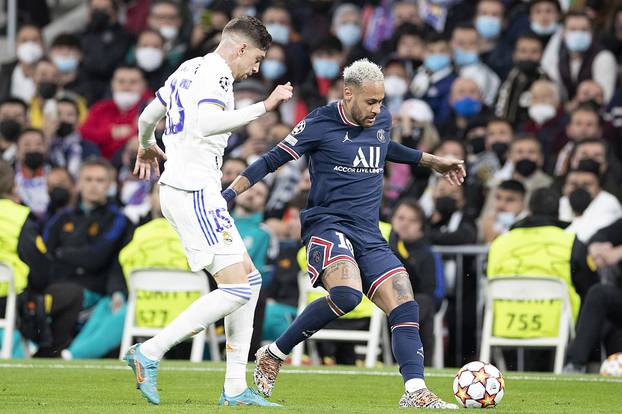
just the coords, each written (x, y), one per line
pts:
(528, 93)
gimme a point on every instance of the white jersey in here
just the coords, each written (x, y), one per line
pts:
(194, 161)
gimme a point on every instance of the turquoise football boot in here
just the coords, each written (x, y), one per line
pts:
(249, 396)
(146, 373)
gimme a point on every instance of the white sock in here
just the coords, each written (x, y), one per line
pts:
(203, 311)
(276, 351)
(239, 331)
(414, 384)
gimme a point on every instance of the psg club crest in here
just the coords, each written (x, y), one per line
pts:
(317, 256)
(224, 83)
(380, 135)
(299, 128)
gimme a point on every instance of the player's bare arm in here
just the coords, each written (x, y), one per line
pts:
(452, 169)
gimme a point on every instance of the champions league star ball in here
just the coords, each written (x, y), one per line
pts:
(479, 385)
(612, 366)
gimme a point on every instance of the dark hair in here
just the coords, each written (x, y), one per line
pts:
(252, 28)
(413, 205)
(544, 202)
(168, 2)
(65, 171)
(327, 44)
(497, 119)
(577, 13)
(95, 161)
(513, 185)
(526, 137)
(114, 3)
(529, 36)
(70, 101)
(587, 107)
(129, 67)
(14, 100)
(66, 40)
(553, 2)
(434, 37)
(464, 26)
(155, 32)
(588, 166)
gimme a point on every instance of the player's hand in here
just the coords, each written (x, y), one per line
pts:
(147, 160)
(450, 168)
(281, 93)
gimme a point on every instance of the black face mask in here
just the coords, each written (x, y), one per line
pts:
(10, 129)
(413, 139)
(34, 160)
(446, 206)
(477, 144)
(59, 198)
(99, 20)
(500, 149)
(47, 90)
(64, 129)
(580, 200)
(526, 167)
(528, 66)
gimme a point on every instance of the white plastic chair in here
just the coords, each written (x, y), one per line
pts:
(8, 323)
(438, 361)
(166, 280)
(528, 288)
(374, 336)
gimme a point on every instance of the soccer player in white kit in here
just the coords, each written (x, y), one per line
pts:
(197, 100)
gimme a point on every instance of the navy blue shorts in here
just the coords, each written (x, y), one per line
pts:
(376, 263)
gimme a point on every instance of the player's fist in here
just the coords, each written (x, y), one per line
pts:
(281, 93)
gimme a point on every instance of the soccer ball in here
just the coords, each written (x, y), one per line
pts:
(479, 385)
(612, 366)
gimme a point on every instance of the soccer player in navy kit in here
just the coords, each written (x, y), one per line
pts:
(347, 143)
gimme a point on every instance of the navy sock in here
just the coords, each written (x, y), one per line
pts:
(320, 312)
(405, 340)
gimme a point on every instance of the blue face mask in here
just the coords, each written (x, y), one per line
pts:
(543, 30)
(279, 32)
(467, 106)
(488, 27)
(272, 69)
(465, 57)
(325, 68)
(578, 40)
(436, 62)
(349, 34)
(65, 64)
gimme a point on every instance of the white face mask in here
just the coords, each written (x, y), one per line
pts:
(29, 52)
(169, 32)
(541, 113)
(395, 86)
(125, 100)
(149, 58)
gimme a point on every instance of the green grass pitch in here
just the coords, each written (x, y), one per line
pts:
(107, 386)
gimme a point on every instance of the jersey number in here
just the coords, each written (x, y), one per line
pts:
(175, 114)
(344, 243)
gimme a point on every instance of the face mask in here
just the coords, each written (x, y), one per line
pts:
(349, 34)
(59, 198)
(169, 32)
(500, 149)
(465, 57)
(525, 167)
(446, 206)
(527, 66)
(65, 64)
(325, 68)
(543, 30)
(47, 90)
(125, 100)
(10, 129)
(99, 20)
(395, 86)
(34, 160)
(279, 32)
(29, 52)
(467, 106)
(436, 62)
(149, 58)
(506, 219)
(272, 69)
(541, 113)
(477, 144)
(580, 200)
(488, 27)
(64, 129)
(578, 41)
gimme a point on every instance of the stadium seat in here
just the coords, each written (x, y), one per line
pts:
(534, 291)
(8, 323)
(166, 280)
(376, 335)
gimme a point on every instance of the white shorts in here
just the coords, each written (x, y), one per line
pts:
(206, 229)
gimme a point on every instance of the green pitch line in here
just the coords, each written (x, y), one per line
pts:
(106, 386)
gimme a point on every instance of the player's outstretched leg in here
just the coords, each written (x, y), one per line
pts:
(341, 300)
(406, 342)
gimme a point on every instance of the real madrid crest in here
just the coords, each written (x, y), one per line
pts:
(227, 237)
(380, 135)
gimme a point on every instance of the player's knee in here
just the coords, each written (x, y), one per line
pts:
(345, 297)
(407, 312)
